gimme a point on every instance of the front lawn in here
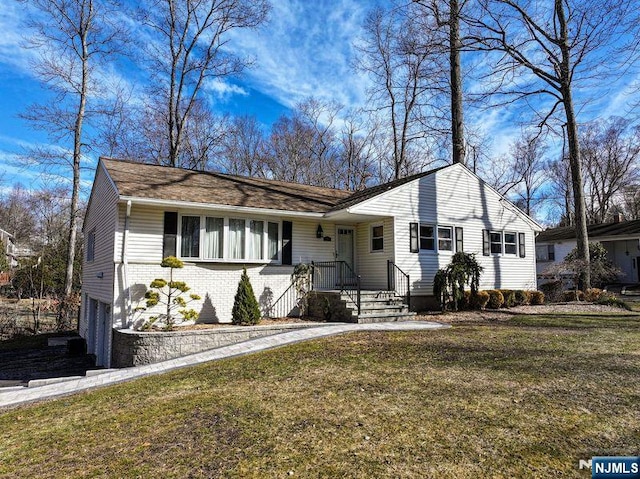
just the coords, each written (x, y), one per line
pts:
(527, 397)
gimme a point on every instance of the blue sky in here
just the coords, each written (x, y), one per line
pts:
(304, 50)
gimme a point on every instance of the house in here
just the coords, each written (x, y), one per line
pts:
(621, 239)
(391, 237)
(9, 243)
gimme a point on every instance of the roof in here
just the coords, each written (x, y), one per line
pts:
(139, 180)
(622, 228)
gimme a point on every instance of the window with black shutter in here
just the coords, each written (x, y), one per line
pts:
(170, 233)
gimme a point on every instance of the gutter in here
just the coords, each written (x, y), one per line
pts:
(217, 207)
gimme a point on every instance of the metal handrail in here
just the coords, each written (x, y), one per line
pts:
(330, 275)
(398, 282)
(288, 302)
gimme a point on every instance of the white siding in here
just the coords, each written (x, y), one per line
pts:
(97, 275)
(372, 265)
(215, 282)
(455, 197)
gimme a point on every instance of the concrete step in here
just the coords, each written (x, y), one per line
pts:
(383, 318)
(400, 308)
(97, 372)
(43, 382)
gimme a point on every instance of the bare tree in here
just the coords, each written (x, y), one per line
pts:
(360, 155)
(398, 56)
(561, 200)
(72, 38)
(527, 155)
(556, 46)
(187, 50)
(244, 147)
(610, 150)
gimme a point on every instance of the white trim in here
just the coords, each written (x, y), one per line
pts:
(217, 207)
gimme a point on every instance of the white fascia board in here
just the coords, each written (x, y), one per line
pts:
(111, 182)
(217, 207)
(348, 212)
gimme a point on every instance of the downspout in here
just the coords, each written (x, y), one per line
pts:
(125, 264)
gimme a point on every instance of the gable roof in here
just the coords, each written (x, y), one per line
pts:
(368, 193)
(622, 228)
(140, 180)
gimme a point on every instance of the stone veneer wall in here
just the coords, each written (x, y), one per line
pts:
(136, 348)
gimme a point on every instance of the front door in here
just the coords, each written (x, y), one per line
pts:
(345, 251)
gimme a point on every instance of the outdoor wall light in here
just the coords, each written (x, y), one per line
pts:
(100, 275)
(319, 232)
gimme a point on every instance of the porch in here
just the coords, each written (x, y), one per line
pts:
(332, 291)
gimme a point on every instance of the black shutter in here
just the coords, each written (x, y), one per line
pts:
(170, 233)
(459, 239)
(521, 244)
(287, 246)
(414, 245)
(486, 247)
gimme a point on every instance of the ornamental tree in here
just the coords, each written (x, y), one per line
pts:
(246, 309)
(169, 294)
(449, 283)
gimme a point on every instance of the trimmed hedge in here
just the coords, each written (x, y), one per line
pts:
(537, 297)
(496, 299)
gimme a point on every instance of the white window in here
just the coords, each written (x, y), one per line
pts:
(91, 245)
(510, 243)
(273, 239)
(427, 237)
(218, 238)
(496, 242)
(377, 238)
(445, 238)
(236, 238)
(256, 239)
(545, 252)
(214, 238)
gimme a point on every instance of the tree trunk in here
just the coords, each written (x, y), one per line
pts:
(582, 239)
(457, 119)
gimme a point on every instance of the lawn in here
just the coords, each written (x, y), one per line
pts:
(527, 397)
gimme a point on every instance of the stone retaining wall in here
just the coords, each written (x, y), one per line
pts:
(135, 348)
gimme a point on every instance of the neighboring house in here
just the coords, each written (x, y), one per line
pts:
(621, 239)
(218, 224)
(9, 248)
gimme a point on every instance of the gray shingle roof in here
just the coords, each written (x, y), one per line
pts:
(141, 180)
(623, 228)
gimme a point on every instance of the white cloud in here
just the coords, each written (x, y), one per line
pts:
(305, 50)
(224, 90)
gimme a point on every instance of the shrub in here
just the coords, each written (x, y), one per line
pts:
(573, 295)
(496, 299)
(474, 301)
(536, 297)
(592, 295)
(245, 305)
(611, 300)
(480, 300)
(552, 291)
(522, 297)
(509, 298)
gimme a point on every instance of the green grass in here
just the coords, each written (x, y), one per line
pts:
(524, 398)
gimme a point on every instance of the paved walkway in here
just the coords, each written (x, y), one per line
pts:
(16, 397)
